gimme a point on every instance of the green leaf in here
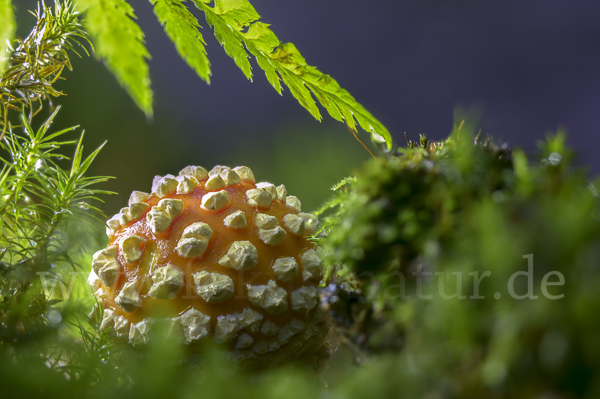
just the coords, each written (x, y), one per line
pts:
(226, 31)
(182, 28)
(238, 30)
(7, 31)
(119, 41)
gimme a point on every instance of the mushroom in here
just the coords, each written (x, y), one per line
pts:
(229, 258)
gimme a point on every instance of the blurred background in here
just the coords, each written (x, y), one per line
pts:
(527, 68)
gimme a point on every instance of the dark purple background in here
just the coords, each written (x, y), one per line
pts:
(529, 66)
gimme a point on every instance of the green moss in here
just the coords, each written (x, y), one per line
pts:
(414, 234)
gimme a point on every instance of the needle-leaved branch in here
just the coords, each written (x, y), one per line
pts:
(36, 62)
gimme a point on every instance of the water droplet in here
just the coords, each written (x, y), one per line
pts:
(54, 317)
(554, 158)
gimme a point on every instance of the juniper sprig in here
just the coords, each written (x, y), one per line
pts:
(38, 200)
(37, 62)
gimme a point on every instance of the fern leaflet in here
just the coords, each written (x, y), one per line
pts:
(182, 28)
(119, 41)
(7, 31)
(238, 30)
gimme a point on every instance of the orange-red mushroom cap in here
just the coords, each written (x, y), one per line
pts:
(230, 259)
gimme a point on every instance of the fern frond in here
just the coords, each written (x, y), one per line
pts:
(119, 42)
(7, 31)
(182, 28)
(238, 30)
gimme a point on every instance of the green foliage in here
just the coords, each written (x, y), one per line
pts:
(45, 210)
(119, 42)
(237, 28)
(405, 239)
(435, 239)
(39, 201)
(7, 30)
(182, 28)
(37, 62)
(403, 198)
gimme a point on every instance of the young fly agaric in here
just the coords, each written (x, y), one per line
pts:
(230, 258)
